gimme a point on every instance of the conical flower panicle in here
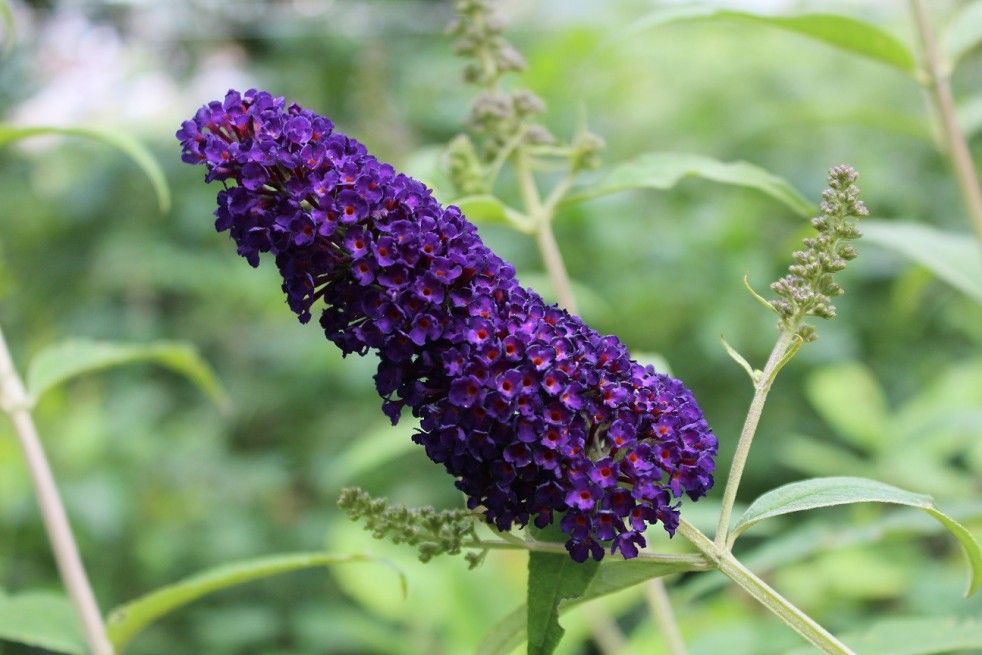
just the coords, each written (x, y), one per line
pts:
(537, 416)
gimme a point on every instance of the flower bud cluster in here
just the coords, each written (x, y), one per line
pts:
(536, 415)
(431, 532)
(810, 285)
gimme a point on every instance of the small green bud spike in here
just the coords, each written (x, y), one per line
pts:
(809, 287)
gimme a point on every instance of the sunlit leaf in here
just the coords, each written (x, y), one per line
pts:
(489, 209)
(956, 258)
(41, 619)
(913, 636)
(663, 170)
(964, 32)
(68, 359)
(612, 577)
(850, 399)
(120, 140)
(847, 34)
(127, 621)
(829, 492)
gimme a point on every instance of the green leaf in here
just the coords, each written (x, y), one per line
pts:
(850, 399)
(489, 209)
(970, 115)
(127, 621)
(954, 257)
(829, 492)
(42, 619)
(10, 27)
(119, 140)
(65, 360)
(964, 32)
(845, 33)
(913, 636)
(663, 170)
(612, 577)
(552, 578)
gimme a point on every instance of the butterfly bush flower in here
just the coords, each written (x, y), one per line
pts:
(538, 417)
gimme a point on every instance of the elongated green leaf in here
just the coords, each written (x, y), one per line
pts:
(612, 577)
(68, 359)
(663, 170)
(489, 209)
(552, 579)
(126, 621)
(954, 257)
(120, 140)
(41, 619)
(829, 492)
(847, 34)
(913, 636)
(964, 32)
(9, 27)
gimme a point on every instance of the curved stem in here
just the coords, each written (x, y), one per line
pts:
(764, 593)
(16, 403)
(940, 89)
(763, 386)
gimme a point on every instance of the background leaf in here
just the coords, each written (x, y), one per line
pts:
(9, 27)
(913, 636)
(65, 360)
(964, 32)
(489, 209)
(127, 621)
(842, 32)
(552, 579)
(663, 170)
(829, 492)
(953, 257)
(120, 140)
(851, 400)
(42, 619)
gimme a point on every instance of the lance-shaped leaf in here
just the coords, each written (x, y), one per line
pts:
(845, 33)
(829, 492)
(663, 170)
(953, 257)
(127, 621)
(552, 579)
(612, 577)
(41, 619)
(964, 32)
(68, 359)
(120, 140)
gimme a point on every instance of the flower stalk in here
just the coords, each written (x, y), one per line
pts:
(16, 403)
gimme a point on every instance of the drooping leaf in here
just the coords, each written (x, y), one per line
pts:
(41, 619)
(913, 636)
(850, 399)
(663, 170)
(964, 32)
(829, 492)
(65, 360)
(956, 258)
(127, 621)
(612, 577)
(845, 33)
(489, 209)
(553, 578)
(119, 140)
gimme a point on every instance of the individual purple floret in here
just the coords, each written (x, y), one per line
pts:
(536, 415)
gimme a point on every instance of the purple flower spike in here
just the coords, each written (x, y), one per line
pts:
(537, 416)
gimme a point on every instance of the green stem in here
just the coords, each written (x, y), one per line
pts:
(661, 610)
(939, 86)
(541, 215)
(16, 402)
(761, 389)
(763, 593)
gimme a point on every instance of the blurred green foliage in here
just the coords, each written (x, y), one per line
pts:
(161, 484)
